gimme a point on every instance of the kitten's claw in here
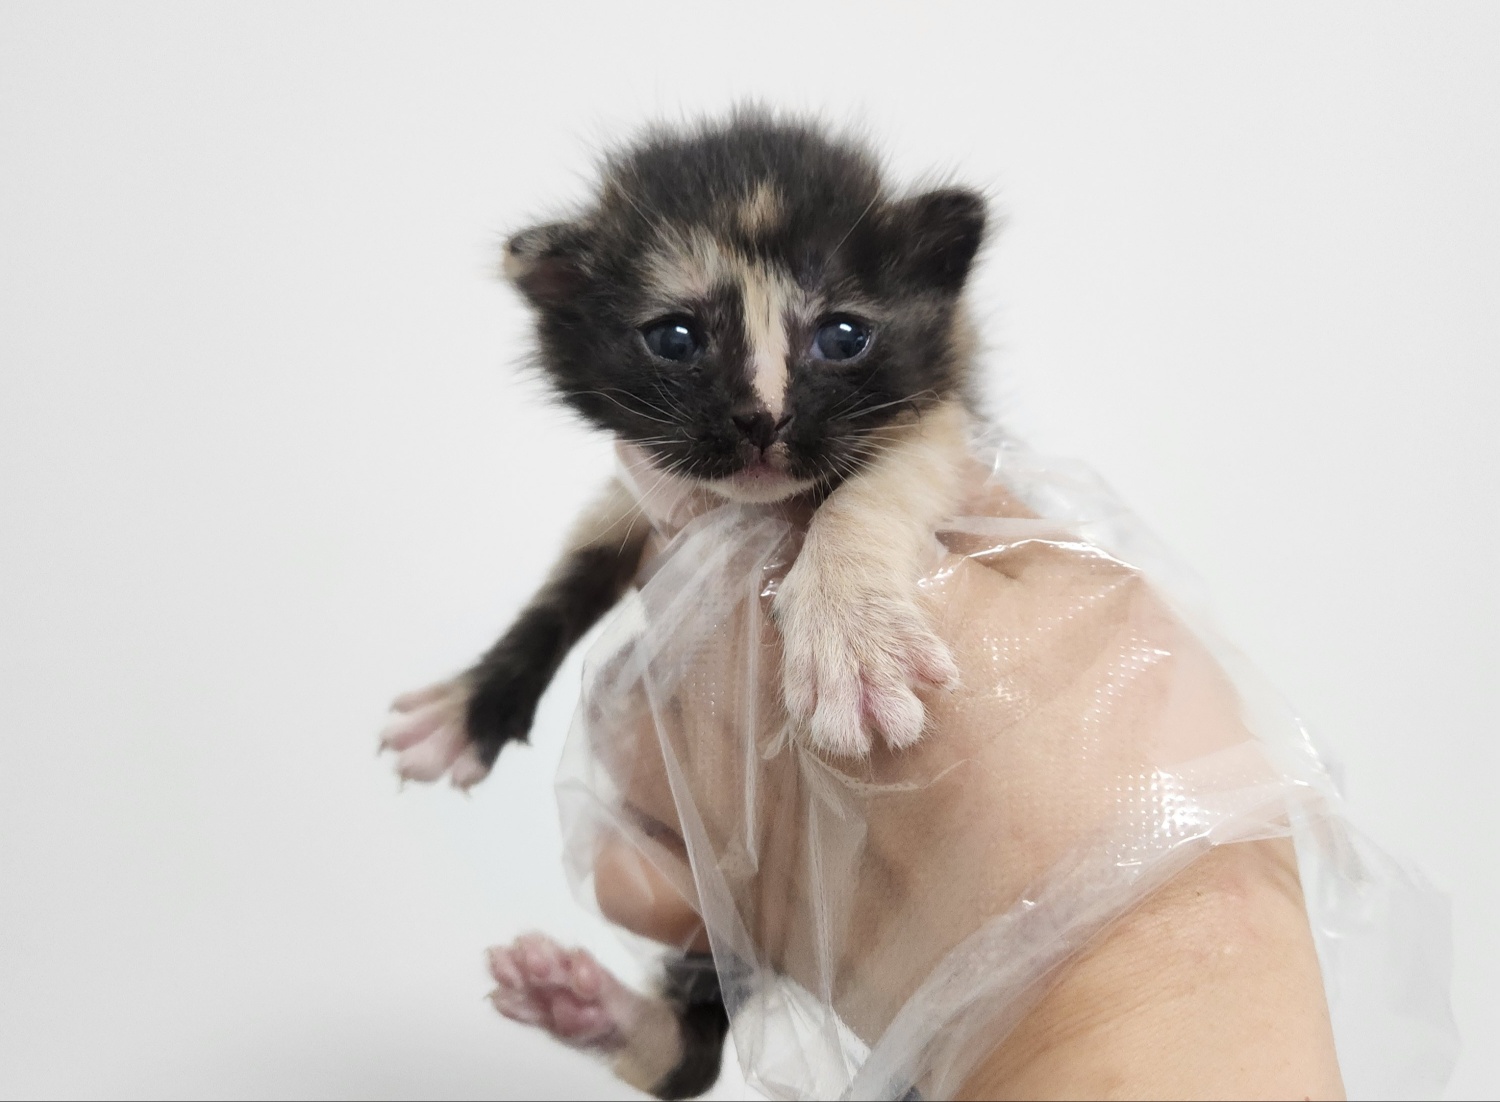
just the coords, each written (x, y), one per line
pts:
(852, 662)
(428, 735)
(564, 991)
(410, 701)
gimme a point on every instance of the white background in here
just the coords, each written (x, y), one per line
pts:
(267, 459)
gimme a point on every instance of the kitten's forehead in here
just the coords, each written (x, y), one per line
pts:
(761, 212)
(781, 193)
(686, 265)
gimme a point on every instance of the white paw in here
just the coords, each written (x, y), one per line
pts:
(564, 991)
(427, 733)
(854, 657)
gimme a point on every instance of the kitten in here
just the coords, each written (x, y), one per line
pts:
(750, 305)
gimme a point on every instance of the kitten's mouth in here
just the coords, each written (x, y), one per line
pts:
(760, 480)
(759, 470)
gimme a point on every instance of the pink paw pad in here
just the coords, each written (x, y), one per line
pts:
(564, 991)
(427, 733)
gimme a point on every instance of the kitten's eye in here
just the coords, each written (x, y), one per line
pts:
(841, 338)
(674, 339)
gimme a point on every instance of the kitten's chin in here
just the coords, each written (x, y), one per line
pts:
(760, 484)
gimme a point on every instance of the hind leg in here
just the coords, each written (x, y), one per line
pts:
(667, 1043)
(571, 996)
(565, 992)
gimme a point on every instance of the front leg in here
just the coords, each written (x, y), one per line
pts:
(460, 726)
(856, 642)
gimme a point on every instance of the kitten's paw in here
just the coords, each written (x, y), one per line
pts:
(564, 991)
(853, 659)
(429, 736)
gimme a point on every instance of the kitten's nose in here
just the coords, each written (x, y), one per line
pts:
(759, 428)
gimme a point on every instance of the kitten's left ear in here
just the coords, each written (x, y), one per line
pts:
(942, 231)
(549, 263)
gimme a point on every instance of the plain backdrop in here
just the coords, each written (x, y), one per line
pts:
(267, 457)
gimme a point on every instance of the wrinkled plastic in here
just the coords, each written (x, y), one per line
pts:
(1101, 740)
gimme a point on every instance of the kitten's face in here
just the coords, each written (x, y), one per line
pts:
(748, 306)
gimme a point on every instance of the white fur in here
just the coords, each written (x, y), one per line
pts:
(856, 640)
(767, 298)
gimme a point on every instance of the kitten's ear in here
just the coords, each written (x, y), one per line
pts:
(548, 264)
(941, 232)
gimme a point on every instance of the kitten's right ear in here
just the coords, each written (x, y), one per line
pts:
(548, 264)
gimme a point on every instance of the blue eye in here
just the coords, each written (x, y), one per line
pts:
(673, 339)
(841, 338)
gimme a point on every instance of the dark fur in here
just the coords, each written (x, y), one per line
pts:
(506, 684)
(840, 234)
(692, 988)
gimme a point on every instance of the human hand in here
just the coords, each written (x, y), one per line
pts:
(925, 898)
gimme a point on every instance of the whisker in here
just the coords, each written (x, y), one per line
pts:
(868, 208)
(640, 504)
(647, 441)
(672, 405)
(865, 411)
(625, 194)
(638, 398)
(848, 401)
(605, 395)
